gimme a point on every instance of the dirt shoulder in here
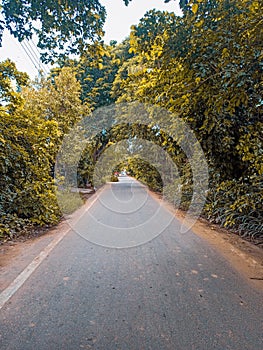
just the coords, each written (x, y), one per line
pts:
(17, 254)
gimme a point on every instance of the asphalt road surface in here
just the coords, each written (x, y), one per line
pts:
(126, 278)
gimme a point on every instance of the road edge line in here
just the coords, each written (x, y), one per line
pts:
(17, 283)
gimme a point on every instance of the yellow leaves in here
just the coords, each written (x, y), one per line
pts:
(132, 50)
(236, 101)
(254, 7)
(133, 43)
(185, 100)
(197, 80)
(225, 53)
(135, 69)
(156, 51)
(195, 8)
(102, 51)
(96, 16)
(199, 23)
(100, 66)
(2, 140)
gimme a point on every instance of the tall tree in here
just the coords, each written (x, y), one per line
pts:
(32, 128)
(205, 67)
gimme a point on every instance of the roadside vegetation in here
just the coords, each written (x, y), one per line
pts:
(204, 67)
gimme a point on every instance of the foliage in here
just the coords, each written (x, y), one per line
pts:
(10, 80)
(114, 178)
(26, 187)
(62, 26)
(57, 100)
(145, 172)
(237, 204)
(32, 129)
(96, 70)
(206, 68)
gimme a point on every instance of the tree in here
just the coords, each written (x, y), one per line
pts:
(203, 70)
(96, 70)
(32, 130)
(11, 80)
(205, 67)
(62, 26)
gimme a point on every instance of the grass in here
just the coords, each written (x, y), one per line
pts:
(69, 202)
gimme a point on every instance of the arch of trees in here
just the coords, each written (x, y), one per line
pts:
(205, 67)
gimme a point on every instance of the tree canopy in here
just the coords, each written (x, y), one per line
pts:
(62, 27)
(204, 68)
(32, 128)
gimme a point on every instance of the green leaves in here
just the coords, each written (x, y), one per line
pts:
(206, 68)
(62, 26)
(10, 80)
(31, 133)
(96, 71)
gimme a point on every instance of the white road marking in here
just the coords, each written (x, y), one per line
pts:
(27, 272)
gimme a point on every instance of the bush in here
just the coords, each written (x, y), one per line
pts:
(114, 178)
(237, 204)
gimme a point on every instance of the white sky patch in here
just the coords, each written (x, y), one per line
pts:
(120, 17)
(117, 27)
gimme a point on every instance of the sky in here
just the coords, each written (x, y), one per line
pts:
(117, 27)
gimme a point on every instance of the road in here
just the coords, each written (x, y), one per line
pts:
(126, 278)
